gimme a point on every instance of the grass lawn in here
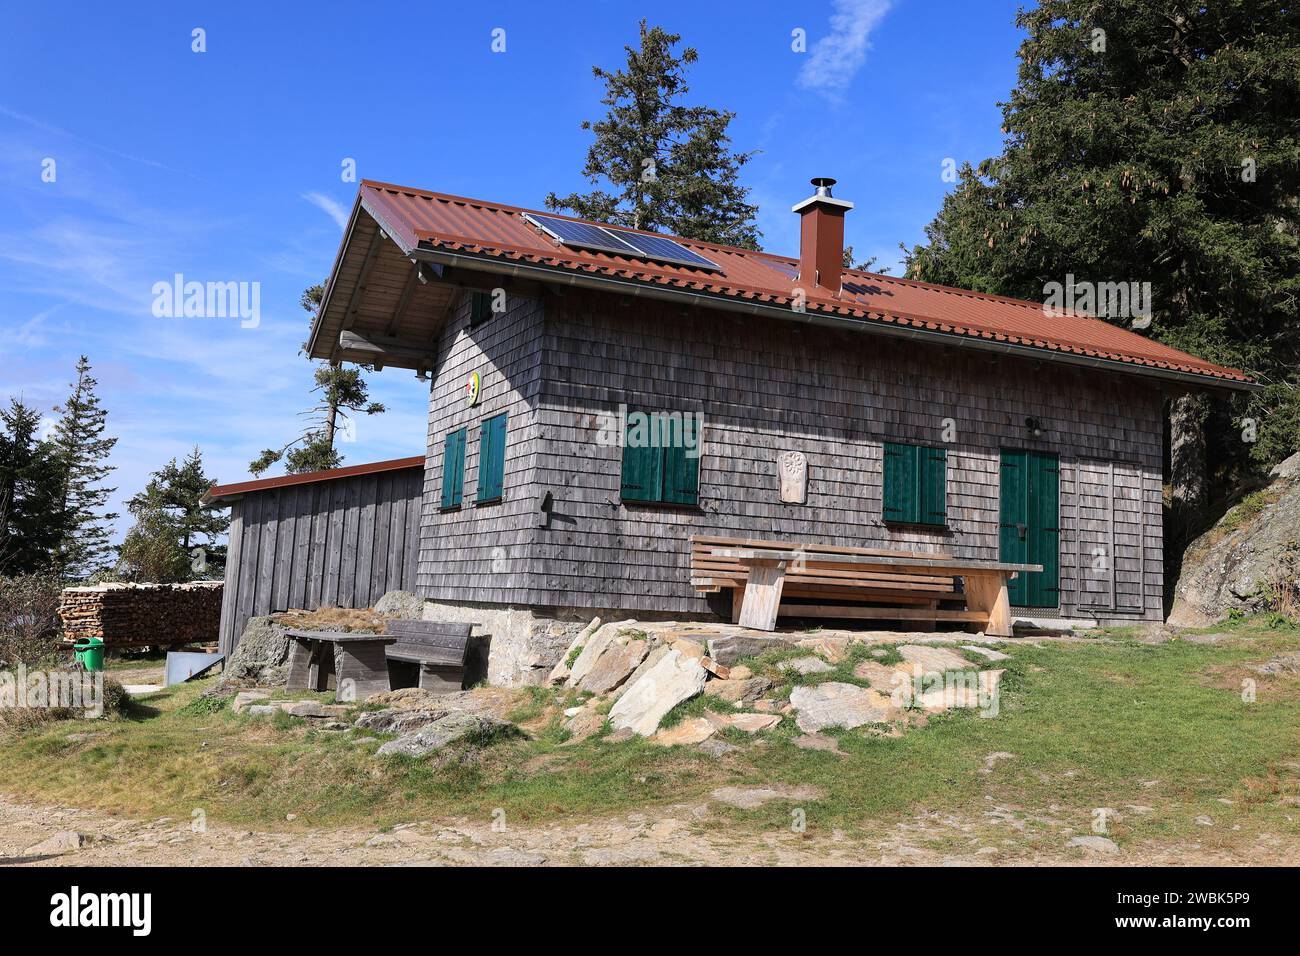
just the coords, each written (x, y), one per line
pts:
(1160, 733)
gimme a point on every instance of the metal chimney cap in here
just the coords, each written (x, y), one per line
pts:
(822, 195)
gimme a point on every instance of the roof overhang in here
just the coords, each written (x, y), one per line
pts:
(224, 494)
(884, 324)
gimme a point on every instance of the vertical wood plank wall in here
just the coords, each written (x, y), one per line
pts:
(342, 542)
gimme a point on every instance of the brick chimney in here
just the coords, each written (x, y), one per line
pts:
(821, 238)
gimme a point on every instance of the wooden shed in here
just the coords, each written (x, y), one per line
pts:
(338, 538)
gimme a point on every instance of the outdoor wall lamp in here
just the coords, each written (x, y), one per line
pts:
(1035, 427)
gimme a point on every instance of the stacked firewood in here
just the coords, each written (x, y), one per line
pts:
(133, 615)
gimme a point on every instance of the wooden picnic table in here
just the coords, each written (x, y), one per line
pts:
(354, 662)
(984, 585)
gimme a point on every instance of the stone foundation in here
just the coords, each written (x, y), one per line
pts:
(527, 642)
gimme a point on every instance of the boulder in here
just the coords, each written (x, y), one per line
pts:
(583, 724)
(594, 648)
(743, 693)
(731, 648)
(402, 605)
(965, 694)
(443, 731)
(806, 665)
(245, 698)
(656, 691)
(1230, 567)
(65, 841)
(748, 723)
(988, 653)
(397, 721)
(262, 656)
(311, 708)
(614, 666)
(886, 678)
(692, 731)
(560, 673)
(933, 659)
(1094, 844)
(834, 704)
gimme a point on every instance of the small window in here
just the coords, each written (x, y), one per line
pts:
(916, 484)
(491, 459)
(661, 458)
(480, 308)
(453, 468)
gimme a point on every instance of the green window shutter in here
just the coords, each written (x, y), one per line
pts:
(492, 458)
(642, 474)
(453, 468)
(681, 476)
(934, 485)
(480, 308)
(901, 498)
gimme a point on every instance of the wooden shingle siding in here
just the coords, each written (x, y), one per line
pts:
(555, 363)
(764, 387)
(342, 542)
(480, 552)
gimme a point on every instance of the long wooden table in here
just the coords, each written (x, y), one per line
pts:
(872, 576)
(359, 669)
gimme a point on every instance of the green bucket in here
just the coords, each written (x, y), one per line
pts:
(89, 652)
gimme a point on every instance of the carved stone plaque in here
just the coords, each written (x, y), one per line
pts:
(793, 468)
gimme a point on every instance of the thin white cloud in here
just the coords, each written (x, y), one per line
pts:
(331, 207)
(836, 58)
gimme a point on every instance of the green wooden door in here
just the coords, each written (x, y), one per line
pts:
(1029, 530)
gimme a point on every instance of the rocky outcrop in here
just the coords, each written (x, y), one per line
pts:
(675, 678)
(261, 658)
(402, 605)
(1231, 566)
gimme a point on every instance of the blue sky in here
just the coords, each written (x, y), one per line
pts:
(225, 166)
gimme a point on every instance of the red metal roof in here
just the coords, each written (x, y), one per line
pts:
(262, 484)
(415, 217)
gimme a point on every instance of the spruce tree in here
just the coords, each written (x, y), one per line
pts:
(83, 451)
(175, 536)
(667, 166)
(1149, 141)
(33, 519)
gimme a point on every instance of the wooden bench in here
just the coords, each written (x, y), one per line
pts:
(428, 654)
(845, 582)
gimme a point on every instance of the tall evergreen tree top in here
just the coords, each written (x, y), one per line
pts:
(84, 450)
(669, 167)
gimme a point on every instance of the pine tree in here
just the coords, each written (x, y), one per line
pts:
(83, 451)
(32, 516)
(342, 390)
(1149, 141)
(175, 536)
(669, 167)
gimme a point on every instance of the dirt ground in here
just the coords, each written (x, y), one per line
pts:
(676, 835)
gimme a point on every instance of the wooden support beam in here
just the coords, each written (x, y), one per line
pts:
(359, 290)
(403, 301)
(393, 351)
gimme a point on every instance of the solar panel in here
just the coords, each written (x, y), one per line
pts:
(586, 236)
(581, 234)
(666, 250)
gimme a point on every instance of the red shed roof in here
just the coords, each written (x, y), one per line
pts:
(415, 218)
(217, 492)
